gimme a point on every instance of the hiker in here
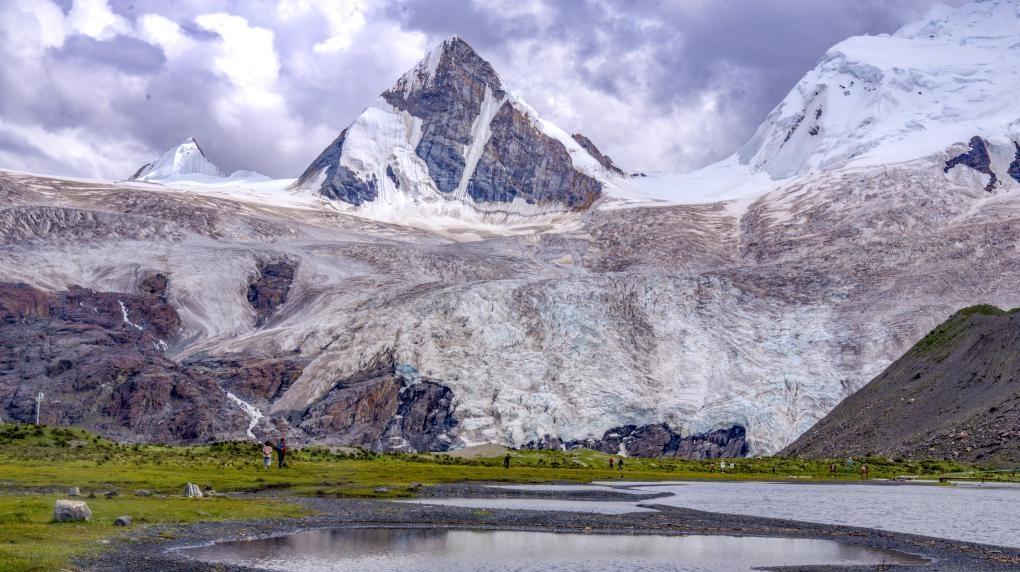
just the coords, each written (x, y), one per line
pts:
(611, 461)
(849, 465)
(267, 455)
(864, 472)
(722, 466)
(619, 464)
(281, 451)
(506, 461)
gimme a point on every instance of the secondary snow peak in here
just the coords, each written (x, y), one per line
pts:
(184, 159)
(892, 98)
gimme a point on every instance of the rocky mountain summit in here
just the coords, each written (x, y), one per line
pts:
(955, 395)
(449, 130)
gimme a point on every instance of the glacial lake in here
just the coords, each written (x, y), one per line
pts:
(442, 550)
(983, 514)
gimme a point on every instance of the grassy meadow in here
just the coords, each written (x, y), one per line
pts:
(37, 464)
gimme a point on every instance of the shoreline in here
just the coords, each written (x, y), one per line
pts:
(160, 546)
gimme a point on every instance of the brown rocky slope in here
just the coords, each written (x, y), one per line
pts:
(954, 395)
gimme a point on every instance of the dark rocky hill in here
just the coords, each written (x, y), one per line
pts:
(954, 395)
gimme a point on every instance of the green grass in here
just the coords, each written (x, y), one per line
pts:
(36, 458)
(938, 339)
(32, 542)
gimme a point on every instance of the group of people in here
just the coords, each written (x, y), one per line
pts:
(865, 474)
(267, 453)
(619, 463)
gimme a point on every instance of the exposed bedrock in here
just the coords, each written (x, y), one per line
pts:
(659, 440)
(339, 182)
(98, 358)
(594, 151)
(519, 161)
(155, 285)
(1014, 167)
(977, 158)
(386, 407)
(256, 380)
(448, 102)
(268, 291)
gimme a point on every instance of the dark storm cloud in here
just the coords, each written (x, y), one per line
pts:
(660, 85)
(129, 55)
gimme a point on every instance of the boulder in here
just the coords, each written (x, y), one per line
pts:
(143, 493)
(111, 494)
(74, 492)
(122, 521)
(71, 511)
(192, 490)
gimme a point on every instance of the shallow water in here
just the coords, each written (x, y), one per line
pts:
(428, 550)
(972, 514)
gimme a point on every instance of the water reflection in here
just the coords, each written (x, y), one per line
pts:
(392, 550)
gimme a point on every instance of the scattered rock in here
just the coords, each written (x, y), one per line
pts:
(71, 511)
(111, 494)
(143, 493)
(192, 491)
(122, 521)
(382, 490)
(74, 492)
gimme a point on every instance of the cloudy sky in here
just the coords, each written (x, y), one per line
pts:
(95, 88)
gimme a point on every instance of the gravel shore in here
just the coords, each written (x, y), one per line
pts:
(157, 548)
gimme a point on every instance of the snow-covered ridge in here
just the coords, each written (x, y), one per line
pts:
(893, 98)
(188, 163)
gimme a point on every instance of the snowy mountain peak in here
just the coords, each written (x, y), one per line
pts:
(452, 60)
(183, 160)
(886, 99)
(449, 138)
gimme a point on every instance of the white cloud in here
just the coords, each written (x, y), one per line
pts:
(95, 19)
(70, 150)
(346, 18)
(246, 56)
(165, 33)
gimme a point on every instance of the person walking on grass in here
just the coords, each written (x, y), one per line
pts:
(267, 455)
(619, 464)
(506, 461)
(611, 461)
(281, 451)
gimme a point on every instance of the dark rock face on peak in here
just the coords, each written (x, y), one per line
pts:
(458, 97)
(339, 182)
(955, 395)
(977, 158)
(1014, 167)
(592, 150)
(520, 161)
(448, 100)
